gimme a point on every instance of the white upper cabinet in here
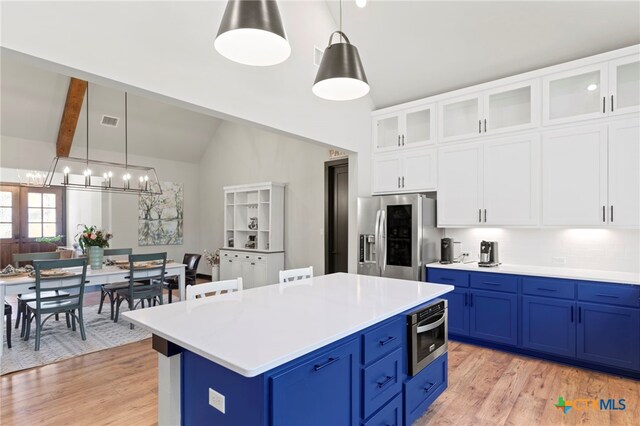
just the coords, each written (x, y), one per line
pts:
(412, 127)
(386, 131)
(574, 176)
(624, 85)
(512, 108)
(512, 181)
(460, 118)
(624, 173)
(577, 94)
(494, 183)
(412, 170)
(503, 109)
(460, 186)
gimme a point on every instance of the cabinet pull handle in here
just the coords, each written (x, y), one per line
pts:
(398, 181)
(612, 213)
(446, 279)
(253, 263)
(485, 125)
(330, 361)
(490, 283)
(479, 126)
(403, 181)
(603, 213)
(230, 261)
(604, 100)
(385, 382)
(571, 313)
(479, 216)
(387, 340)
(579, 314)
(402, 140)
(485, 215)
(398, 140)
(611, 103)
(546, 289)
(607, 295)
(427, 389)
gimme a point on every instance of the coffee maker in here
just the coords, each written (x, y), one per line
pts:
(446, 251)
(489, 254)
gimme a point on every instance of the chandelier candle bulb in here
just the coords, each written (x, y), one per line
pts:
(66, 175)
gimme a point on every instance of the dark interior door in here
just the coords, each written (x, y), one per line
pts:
(9, 223)
(337, 188)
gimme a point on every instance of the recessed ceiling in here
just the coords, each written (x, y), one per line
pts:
(33, 101)
(415, 49)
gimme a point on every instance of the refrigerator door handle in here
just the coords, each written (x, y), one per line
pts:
(383, 234)
(377, 241)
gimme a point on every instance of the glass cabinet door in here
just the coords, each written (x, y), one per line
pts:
(460, 118)
(624, 85)
(387, 131)
(575, 95)
(419, 126)
(511, 108)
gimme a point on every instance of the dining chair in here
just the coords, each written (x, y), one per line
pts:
(109, 290)
(215, 287)
(296, 274)
(8, 310)
(71, 305)
(191, 271)
(20, 258)
(154, 274)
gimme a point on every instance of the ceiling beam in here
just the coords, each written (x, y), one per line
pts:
(70, 115)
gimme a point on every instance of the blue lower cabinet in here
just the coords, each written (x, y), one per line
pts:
(458, 311)
(383, 340)
(422, 389)
(549, 325)
(609, 335)
(390, 415)
(493, 316)
(323, 391)
(380, 381)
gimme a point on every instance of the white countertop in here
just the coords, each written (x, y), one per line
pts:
(256, 330)
(548, 271)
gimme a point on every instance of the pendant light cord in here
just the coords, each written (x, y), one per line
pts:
(126, 133)
(87, 126)
(340, 21)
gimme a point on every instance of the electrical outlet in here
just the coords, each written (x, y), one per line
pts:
(559, 260)
(466, 254)
(216, 400)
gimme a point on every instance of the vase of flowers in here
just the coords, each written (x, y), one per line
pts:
(213, 259)
(93, 241)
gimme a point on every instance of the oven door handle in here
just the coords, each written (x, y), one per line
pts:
(430, 327)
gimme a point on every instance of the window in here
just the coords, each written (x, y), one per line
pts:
(41, 215)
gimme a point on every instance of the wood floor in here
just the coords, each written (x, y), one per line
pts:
(486, 387)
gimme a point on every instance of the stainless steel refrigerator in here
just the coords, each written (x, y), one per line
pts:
(397, 235)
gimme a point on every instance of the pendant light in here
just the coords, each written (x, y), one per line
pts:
(252, 33)
(341, 74)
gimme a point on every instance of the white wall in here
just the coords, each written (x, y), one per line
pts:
(241, 154)
(119, 212)
(604, 249)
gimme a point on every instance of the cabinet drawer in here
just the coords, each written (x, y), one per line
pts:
(447, 276)
(496, 282)
(424, 388)
(549, 287)
(381, 381)
(390, 415)
(613, 294)
(382, 340)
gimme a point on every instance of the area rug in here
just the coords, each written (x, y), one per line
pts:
(58, 342)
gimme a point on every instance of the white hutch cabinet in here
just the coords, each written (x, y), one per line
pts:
(254, 233)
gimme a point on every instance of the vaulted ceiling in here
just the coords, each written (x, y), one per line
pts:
(33, 99)
(414, 49)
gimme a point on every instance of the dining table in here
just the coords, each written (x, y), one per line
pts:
(95, 277)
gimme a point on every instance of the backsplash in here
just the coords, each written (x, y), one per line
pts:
(604, 249)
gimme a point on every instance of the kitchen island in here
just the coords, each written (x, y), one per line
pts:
(328, 350)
